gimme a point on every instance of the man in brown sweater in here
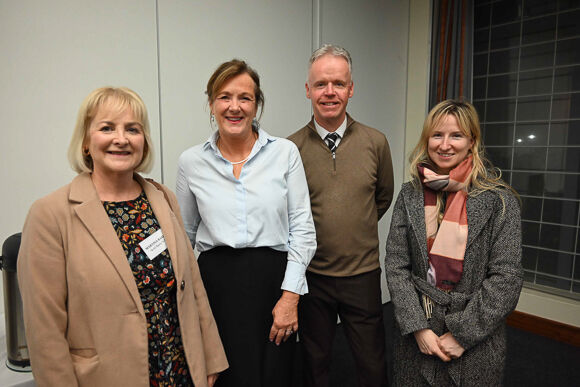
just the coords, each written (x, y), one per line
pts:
(350, 178)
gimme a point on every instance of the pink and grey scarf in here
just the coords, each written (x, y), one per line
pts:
(446, 242)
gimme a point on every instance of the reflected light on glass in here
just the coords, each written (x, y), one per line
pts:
(519, 140)
(531, 136)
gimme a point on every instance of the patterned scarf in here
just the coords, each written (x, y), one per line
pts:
(446, 242)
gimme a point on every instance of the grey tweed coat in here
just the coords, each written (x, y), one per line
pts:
(476, 310)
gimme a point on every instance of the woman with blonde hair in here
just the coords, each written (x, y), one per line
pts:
(453, 260)
(111, 289)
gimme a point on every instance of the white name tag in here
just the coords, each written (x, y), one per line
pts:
(154, 244)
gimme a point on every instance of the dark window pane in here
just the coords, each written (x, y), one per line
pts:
(577, 268)
(558, 237)
(562, 186)
(505, 36)
(566, 106)
(568, 52)
(568, 4)
(564, 159)
(505, 176)
(537, 56)
(503, 61)
(538, 7)
(565, 133)
(560, 211)
(568, 24)
(528, 183)
(539, 30)
(530, 158)
(531, 208)
(481, 16)
(529, 258)
(557, 283)
(501, 86)
(498, 134)
(531, 134)
(506, 11)
(480, 108)
(533, 108)
(567, 79)
(530, 233)
(529, 276)
(500, 157)
(481, 40)
(576, 287)
(500, 110)
(551, 262)
(480, 64)
(535, 82)
(479, 88)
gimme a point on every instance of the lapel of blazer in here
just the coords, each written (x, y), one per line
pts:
(478, 212)
(92, 214)
(163, 213)
(416, 213)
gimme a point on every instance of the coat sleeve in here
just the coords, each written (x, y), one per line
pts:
(398, 268)
(43, 286)
(215, 357)
(499, 293)
(384, 190)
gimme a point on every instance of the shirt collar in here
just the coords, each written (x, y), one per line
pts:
(263, 139)
(323, 132)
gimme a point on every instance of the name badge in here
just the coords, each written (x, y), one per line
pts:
(154, 244)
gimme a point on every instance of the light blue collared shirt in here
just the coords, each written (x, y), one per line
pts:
(268, 206)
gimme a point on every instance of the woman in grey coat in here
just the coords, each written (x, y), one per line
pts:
(453, 260)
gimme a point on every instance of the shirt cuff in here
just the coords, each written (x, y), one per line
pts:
(295, 278)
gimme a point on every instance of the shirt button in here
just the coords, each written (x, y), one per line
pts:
(182, 285)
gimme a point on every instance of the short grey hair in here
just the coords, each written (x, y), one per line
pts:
(331, 49)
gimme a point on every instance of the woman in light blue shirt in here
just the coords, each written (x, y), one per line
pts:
(246, 208)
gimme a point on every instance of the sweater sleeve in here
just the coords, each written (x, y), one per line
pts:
(499, 292)
(398, 267)
(384, 189)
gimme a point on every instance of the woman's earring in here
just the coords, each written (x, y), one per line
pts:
(86, 151)
(212, 119)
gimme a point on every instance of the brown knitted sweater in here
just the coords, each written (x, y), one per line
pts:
(349, 194)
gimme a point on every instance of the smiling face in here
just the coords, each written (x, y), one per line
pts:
(448, 145)
(235, 107)
(329, 87)
(115, 141)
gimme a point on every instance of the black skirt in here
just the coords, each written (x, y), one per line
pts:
(243, 286)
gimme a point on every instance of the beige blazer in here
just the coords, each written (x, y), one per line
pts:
(84, 319)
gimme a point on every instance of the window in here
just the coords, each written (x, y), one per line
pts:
(526, 89)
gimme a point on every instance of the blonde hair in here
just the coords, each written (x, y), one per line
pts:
(121, 98)
(484, 176)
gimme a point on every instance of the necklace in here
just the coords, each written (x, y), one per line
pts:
(241, 161)
(234, 162)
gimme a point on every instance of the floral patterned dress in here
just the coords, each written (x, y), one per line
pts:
(134, 221)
